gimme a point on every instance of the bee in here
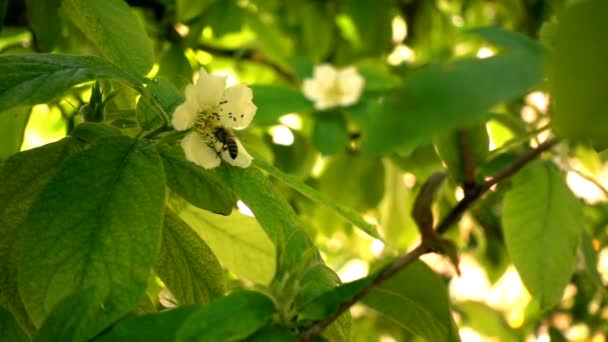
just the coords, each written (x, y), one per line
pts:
(227, 138)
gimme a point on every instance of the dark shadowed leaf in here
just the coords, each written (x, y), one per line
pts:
(107, 241)
(203, 188)
(24, 175)
(33, 79)
(160, 327)
(229, 318)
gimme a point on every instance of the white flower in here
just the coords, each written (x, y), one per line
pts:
(330, 87)
(209, 108)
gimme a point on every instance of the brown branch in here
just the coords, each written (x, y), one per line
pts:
(468, 160)
(252, 55)
(453, 217)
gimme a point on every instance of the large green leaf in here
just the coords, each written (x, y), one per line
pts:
(186, 264)
(348, 214)
(115, 31)
(442, 97)
(43, 16)
(64, 322)
(236, 240)
(417, 299)
(579, 62)
(11, 331)
(33, 79)
(203, 188)
(274, 101)
(398, 227)
(12, 128)
(159, 327)
(270, 208)
(230, 318)
(486, 321)
(542, 222)
(109, 238)
(23, 175)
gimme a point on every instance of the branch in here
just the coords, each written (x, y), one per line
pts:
(248, 54)
(468, 159)
(453, 217)
(394, 267)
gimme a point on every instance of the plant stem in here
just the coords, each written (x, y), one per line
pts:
(447, 222)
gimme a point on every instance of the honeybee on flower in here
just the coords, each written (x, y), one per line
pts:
(211, 111)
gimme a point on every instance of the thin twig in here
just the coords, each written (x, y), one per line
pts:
(468, 160)
(453, 217)
(250, 55)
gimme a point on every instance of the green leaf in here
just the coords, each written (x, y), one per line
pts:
(486, 321)
(186, 264)
(270, 208)
(328, 302)
(329, 134)
(576, 64)
(442, 97)
(109, 238)
(372, 22)
(274, 43)
(236, 240)
(33, 79)
(92, 132)
(377, 75)
(175, 67)
(203, 188)
(591, 259)
(542, 222)
(230, 318)
(347, 213)
(11, 331)
(273, 334)
(398, 228)
(316, 28)
(64, 322)
(345, 188)
(160, 326)
(115, 31)
(24, 175)
(43, 16)
(314, 283)
(190, 9)
(417, 299)
(513, 41)
(12, 128)
(274, 101)
(159, 100)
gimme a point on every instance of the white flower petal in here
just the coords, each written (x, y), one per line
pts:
(237, 110)
(198, 152)
(325, 75)
(351, 84)
(311, 89)
(208, 89)
(184, 116)
(243, 159)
